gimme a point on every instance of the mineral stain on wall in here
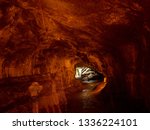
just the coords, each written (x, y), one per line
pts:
(74, 56)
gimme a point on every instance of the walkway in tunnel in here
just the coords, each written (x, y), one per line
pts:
(14, 97)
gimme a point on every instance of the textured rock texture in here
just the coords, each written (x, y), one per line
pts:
(43, 40)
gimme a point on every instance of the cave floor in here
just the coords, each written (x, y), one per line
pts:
(14, 97)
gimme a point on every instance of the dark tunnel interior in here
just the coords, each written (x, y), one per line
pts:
(69, 56)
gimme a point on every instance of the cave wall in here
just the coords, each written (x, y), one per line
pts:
(51, 37)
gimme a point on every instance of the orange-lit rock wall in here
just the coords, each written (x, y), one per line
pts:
(48, 38)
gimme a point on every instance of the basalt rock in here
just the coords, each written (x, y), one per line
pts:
(43, 41)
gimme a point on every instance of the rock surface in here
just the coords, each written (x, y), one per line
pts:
(44, 40)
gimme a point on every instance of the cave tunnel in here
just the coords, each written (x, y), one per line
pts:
(74, 56)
